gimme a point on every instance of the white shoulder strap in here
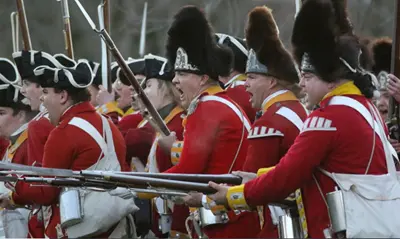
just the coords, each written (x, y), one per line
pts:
(292, 116)
(90, 130)
(231, 105)
(360, 108)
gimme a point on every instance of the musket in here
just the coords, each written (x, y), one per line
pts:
(98, 186)
(142, 44)
(24, 25)
(15, 31)
(69, 49)
(104, 12)
(394, 108)
(152, 116)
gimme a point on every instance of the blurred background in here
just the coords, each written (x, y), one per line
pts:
(370, 18)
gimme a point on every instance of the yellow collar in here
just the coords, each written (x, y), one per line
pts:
(347, 88)
(238, 77)
(212, 90)
(278, 96)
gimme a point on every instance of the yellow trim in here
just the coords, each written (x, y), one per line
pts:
(13, 148)
(172, 114)
(236, 199)
(287, 96)
(262, 171)
(176, 152)
(347, 88)
(192, 209)
(241, 77)
(109, 108)
(128, 112)
(212, 90)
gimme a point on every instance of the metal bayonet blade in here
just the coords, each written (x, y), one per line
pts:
(37, 170)
(86, 15)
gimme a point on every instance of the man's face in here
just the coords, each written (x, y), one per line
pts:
(156, 91)
(189, 86)
(314, 88)
(32, 91)
(93, 90)
(259, 87)
(9, 123)
(383, 105)
(123, 92)
(53, 102)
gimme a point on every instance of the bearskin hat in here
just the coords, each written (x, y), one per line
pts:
(267, 54)
(10, 95)
(27, 61)
(191, 45)
(74, 79)
(382, 52)
(239, 49)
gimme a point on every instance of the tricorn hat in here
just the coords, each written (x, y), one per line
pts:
(157, 67)
(267, 54)
(239, 49)
(137, 67)
(191, 45)
(96, 71)
(10, 95)
(27, 61)
(78, 77)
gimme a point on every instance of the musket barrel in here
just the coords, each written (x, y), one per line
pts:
(24, 25)
(67, 29)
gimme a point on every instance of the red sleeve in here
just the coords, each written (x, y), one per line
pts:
(129, 122)
(58, 152)
(113, 116)
(199, 137)
(38, 132)
(310, 148)
(3, 146)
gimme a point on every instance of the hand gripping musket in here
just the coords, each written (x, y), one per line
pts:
(153, 117)
(69, 49)
(104, 12)
(393, 119)
(24, 25)
(15, 31)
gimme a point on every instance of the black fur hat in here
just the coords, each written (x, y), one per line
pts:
(191, 45)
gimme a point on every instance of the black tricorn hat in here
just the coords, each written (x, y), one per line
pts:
(239, 49)
(10, 95)
(78, 77)
(96, 71)
(157, 67)
(192, 47)
(267, 53)
(137, 67)
(27, 61)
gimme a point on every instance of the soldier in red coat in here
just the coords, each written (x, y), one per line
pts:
(233, 82)
(335, 137)
(66, 98)
(14, 117)
(215, 127)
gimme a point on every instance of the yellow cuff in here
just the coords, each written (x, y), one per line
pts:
(176, 152)
(10, 194)
(236, 199)
(146, 195)
(262, 171)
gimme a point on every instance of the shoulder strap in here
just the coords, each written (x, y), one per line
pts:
(292, 116)
(361, 109)
(90, 130)
(231, 105)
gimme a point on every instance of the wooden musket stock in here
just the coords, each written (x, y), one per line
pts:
(24, 25)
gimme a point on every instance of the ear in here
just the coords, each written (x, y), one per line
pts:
(274, 82)
(21, 116)
(63, 97)
(204, 79)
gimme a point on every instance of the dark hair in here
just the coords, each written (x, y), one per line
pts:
(76, 95)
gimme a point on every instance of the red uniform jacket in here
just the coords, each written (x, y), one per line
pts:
(236, 90)
(212, 137)
(130, 121)
(69, 147)
(270, 138)
(340, 142)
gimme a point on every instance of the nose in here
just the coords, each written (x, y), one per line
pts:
(302, 82)
(23, 90)
(246, 83)
(175, 80)
(41, 98)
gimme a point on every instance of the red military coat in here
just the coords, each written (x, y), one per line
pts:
(3, 146)
(236, 90)
(340, 142)
(130, 121)
(270, 138)
(74, 149)
(211, 140)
